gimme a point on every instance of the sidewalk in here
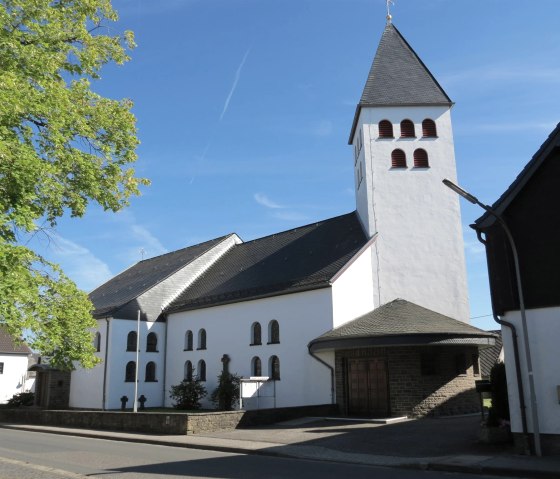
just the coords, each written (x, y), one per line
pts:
(335, 441)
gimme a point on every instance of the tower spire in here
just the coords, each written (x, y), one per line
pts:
(389, 16)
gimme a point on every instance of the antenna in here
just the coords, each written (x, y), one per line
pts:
(389, 16)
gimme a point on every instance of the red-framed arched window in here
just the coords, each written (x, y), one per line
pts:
(398, 159)
(421, 158)
(429, 128)
(385, 129)
(407, 129)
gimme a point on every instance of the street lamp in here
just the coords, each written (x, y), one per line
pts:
(534, 416)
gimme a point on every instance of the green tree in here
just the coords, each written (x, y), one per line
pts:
(226, 395)
(188, 394)
(62, 147)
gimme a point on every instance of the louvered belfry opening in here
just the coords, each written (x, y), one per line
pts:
(421, 158)
(385, 129)
(429, 128)
(398, 159)
(407, 129)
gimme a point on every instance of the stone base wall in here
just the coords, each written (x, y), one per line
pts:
(550, 443)
(412, 393)
(161, 422)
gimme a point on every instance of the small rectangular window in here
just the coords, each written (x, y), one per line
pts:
(429, 364)
(475, 365)
(1, 368)
(460, 365)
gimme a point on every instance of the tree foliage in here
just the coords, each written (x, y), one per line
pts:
(188, 394)
(226, 395)
(62, 147)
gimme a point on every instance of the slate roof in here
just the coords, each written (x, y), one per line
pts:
(9, 346)
(552, 142)
(300, 259)
(490, 356)
(144, 275)
(398, 78)
(405, 320)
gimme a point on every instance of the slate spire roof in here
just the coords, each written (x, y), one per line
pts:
(398, 78)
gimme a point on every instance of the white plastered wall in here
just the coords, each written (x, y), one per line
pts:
(419, 252)
(86, 385)
(352, 291)
(86, 390)
(13, 378)
(301, 317)
(544, 337)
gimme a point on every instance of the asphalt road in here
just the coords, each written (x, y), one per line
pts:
(35, 455)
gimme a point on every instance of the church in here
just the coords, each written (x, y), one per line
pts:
(368, 310)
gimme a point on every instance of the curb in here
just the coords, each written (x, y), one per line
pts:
(419, 466)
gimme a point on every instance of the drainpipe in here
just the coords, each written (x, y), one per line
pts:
(515, 340)
(165, 362)
(328, 366)
(103, 406)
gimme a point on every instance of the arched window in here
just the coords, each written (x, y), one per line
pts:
(398, 159)
(130, 373)
(202, 339)
(201, 370)
(407, 129)
(273, 332)
(151, 343)
(385, 129)
(421, 158)
(150, 372)
(429, 128)
(131, 341)
(274, 367)
(188, 341)
(97, 342)
(256, 369)
(256, 334)
(188, 371)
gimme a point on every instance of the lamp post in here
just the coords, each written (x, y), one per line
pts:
(534, 415)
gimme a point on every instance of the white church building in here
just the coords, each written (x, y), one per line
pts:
(368, 310)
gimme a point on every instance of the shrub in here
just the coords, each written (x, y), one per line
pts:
(226, 395)
(21, 399)
(188, 394)
(499, 412)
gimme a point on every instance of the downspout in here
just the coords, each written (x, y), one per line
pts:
(103, 406)
(328, 366)
(515, 341)
(165, 362)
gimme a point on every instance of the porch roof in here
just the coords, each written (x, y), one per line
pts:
(401, 323)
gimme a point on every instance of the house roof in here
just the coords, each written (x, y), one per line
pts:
(552, 142)
(398, 78)
(490, 356)
(300, 259)
(401, 322)
(8, 345)
(144, 275)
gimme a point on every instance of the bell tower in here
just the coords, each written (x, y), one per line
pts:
(402, 142)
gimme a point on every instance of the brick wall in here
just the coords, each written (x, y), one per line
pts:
(410, 392)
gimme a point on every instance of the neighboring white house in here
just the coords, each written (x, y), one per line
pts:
(14, 361)
(530, 209)
(367, 310)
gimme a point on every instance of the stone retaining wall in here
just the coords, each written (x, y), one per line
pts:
(160, 422)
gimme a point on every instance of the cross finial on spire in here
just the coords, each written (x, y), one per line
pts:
(389, 16)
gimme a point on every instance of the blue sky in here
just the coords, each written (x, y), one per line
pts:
(244, 109)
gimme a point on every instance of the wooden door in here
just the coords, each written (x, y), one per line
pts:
(367, 387)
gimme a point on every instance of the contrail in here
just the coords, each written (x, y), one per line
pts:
(235, 82)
